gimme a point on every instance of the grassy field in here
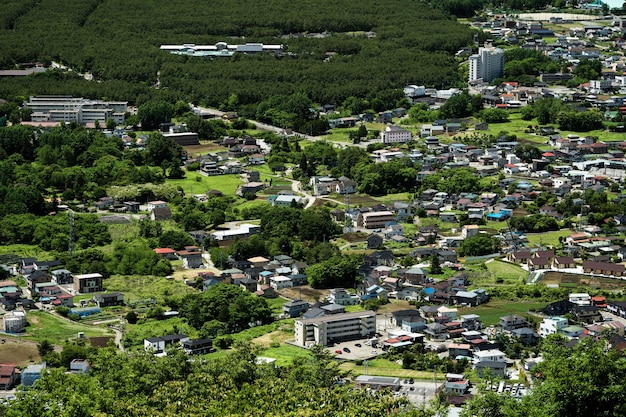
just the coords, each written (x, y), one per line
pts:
(548, 238)
(195, 183)
(383, 367)
(137, 287)
(136, 333)
(44, 325)
(491, 312)
(499, 272)
(26, 251)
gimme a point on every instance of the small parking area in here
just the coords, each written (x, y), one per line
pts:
(355, 350)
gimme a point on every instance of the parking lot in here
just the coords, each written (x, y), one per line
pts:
(355, 349)
(419, 392)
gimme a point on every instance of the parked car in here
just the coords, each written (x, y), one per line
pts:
(338, 352)
(346, 350)
(357, 344)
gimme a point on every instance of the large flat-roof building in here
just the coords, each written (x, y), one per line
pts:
(335, 328)
(75, 109)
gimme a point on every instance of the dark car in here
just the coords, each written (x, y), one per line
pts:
(346, 350)
(357, 344)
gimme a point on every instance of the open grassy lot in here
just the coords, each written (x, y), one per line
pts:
(138, 287)
(25, 251)
(496, 272)
(383, 367)
(547, 238)
(135, 333)
(491, 312)
(43, 325)
(195, 183)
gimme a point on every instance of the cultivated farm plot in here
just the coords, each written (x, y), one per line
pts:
(575, 280)
(547, 238)
(304, 292)
(204, 148)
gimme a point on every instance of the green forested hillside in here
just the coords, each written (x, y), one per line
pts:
(119, 41)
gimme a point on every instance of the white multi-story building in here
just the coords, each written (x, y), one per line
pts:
(395, 134)
(335, 328)
(492, 355)
(487, 64)
(552, 325)
(71, 109)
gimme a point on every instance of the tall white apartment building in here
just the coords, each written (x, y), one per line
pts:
(487, 64)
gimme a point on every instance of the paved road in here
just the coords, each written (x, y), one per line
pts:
(275, 129)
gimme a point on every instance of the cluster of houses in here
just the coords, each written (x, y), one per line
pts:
(229, 162)
(190, 255)
(259, 275)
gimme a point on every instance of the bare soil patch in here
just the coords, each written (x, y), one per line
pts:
(305, 293)
(18, 352)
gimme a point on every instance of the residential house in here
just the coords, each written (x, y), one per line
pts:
(414, 276)
(62, 276)
(552, 325)
(248, 284)
(471, 298)
(460, 349)
(87, 283)
(32, 373)
(526, 336)
(160, 343)
(295, 308)
(197, 346)
(469, 230)
(64, 300)
(79, 366)
(586, 314)
(496, 369)
(191, 257)
(512, 322)
(8, 376)
(280, 282)
(456, 384)
(374, 241)
(491, 355)
(604, 268)
(580, 299)
(617, 307)
(160, 213)
(109, 299)
(436, 331)
(342, 297)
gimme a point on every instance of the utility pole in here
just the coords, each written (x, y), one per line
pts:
(71, 244)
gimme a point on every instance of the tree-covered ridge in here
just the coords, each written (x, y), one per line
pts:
(118, 42)
(234, 385)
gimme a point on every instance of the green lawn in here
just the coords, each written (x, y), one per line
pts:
(285, 354)
(195, 183)
(43, 325)
(508, 272)
(491, 312)
(547, 238)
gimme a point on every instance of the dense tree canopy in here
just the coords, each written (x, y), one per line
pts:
(118, 43)
(144, 385)
(229, 304)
